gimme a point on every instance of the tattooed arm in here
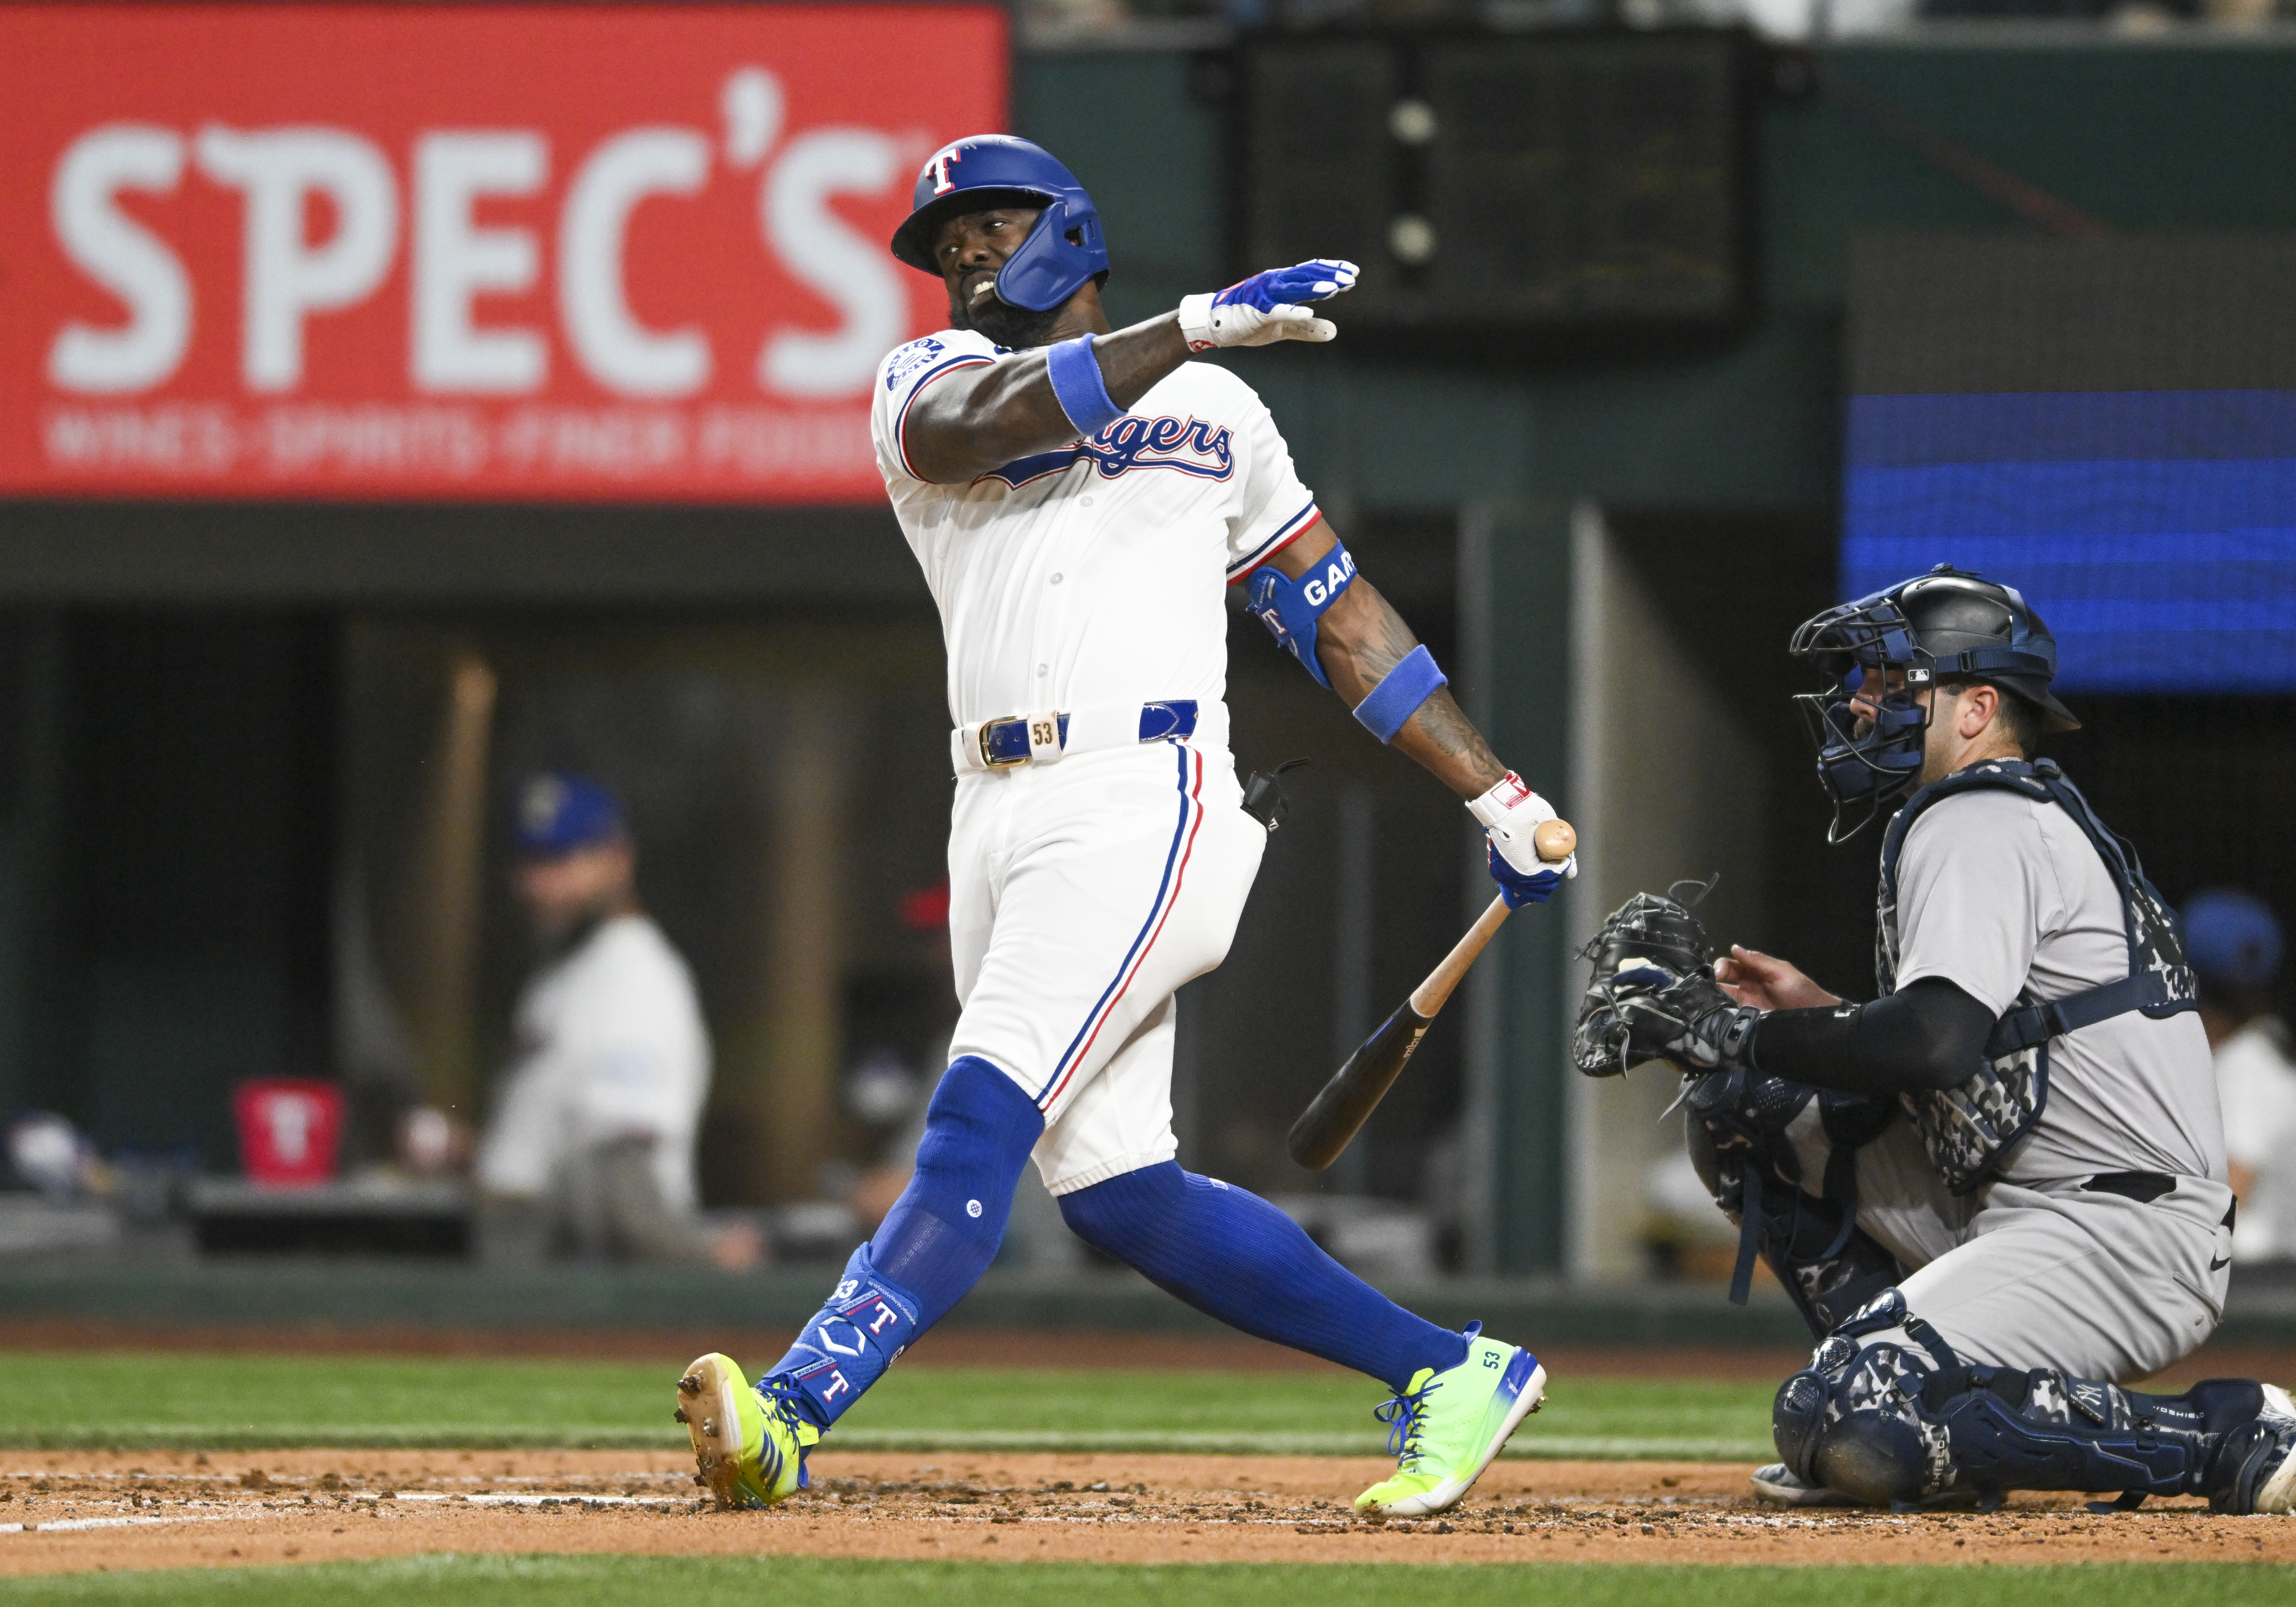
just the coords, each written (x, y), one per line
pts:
(1358, 640)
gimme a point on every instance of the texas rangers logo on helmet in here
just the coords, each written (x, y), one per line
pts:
(939, 167)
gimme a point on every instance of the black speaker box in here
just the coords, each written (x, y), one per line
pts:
(1491, 183)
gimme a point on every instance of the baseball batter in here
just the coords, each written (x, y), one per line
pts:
(1079, 499)
(1998, 1191)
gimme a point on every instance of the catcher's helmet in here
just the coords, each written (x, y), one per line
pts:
(1946, 625)
(984, 171)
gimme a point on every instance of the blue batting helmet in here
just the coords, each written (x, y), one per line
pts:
(984, 171)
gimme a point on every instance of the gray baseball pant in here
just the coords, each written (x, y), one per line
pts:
(2050, 1274)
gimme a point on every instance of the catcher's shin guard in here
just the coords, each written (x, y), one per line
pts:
(1740, 1134)
(1910, 1424)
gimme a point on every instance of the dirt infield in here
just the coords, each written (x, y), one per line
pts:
(65, 1512)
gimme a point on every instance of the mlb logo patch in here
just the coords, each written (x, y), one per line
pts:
(909, 358)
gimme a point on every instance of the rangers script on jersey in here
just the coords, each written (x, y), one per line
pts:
(1093, 574)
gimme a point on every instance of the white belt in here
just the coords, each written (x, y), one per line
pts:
(1052, 734)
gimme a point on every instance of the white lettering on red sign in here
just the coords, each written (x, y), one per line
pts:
(455, 261)
(123, 257)
(287, 279)
(281, 255)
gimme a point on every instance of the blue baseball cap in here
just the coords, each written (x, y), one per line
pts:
(560, 813)
(2232, 939)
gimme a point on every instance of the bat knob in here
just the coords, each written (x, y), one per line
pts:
(1554, 841)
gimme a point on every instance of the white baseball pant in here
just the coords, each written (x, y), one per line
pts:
(1082, 894)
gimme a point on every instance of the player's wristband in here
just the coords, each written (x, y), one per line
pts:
(1396, 698)
(1196, 325)
(1077, 383)
(1506, 795)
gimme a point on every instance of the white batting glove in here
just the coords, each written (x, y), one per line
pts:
(1510, 814)
(1267, 307)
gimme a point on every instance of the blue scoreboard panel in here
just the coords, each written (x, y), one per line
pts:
(2109, 427)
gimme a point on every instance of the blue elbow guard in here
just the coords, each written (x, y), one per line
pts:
(1290, 608)
(1396, 698)
(1079, 386)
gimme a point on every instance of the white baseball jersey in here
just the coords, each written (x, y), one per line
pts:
(2256, 1074)
(1093, 574)
(1083, 892)
(612, 1044)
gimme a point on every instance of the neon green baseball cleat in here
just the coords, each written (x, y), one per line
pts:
(749, 1448)
(1446, 1427)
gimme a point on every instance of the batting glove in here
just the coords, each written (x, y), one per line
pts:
(1265, 307)
(1509, 813)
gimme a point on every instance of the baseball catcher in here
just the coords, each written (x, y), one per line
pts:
(1996, 1192)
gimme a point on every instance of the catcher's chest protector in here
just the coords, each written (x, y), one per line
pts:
(1968, 1128)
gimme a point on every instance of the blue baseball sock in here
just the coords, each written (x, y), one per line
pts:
(1235, 1256)
(934, 1244)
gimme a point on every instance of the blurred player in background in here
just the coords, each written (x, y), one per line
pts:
(596, 1120)
(2235, 944)
(1079, 499)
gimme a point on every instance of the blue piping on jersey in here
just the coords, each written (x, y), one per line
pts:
(901, 424)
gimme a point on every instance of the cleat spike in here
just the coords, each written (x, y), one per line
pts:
(748, 1452)
(679, 1415)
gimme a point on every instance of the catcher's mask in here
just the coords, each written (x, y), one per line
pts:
(1879, 654)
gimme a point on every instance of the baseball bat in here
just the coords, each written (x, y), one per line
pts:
(1339, 1110)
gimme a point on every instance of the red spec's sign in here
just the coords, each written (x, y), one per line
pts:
(466, 253)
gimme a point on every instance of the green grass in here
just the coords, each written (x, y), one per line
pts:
(516, 1581)
(54, 1400)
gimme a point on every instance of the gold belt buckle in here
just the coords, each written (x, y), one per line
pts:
(989, 759)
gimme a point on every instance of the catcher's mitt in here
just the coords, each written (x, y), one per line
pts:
(1650, 994)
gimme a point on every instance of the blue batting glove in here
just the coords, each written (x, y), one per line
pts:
(1265, 307)
(1316, 281)
(1518, 888)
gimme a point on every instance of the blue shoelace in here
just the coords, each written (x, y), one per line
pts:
(779, 1398)
(1404, 1416)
